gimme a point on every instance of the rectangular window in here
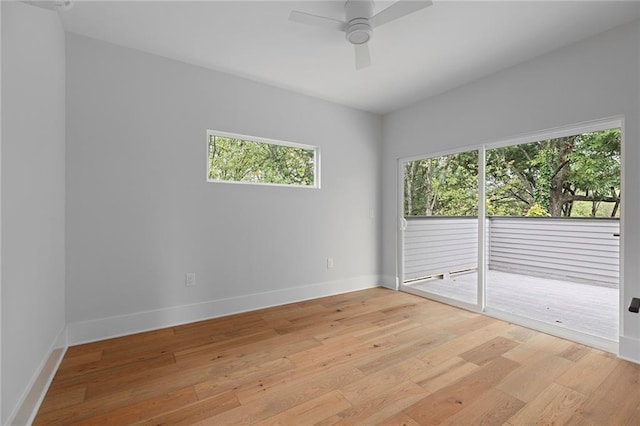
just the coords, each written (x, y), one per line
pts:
(246, 159)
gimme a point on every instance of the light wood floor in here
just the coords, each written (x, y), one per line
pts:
(368, 357)
(585, 308)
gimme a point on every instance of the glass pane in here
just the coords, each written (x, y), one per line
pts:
(553, 211)
(238, 160)
(440, 241)
(442, 186)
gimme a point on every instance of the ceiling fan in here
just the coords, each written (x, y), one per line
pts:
(360, 21)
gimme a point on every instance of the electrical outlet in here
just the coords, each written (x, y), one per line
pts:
(190, 279)
(330, 263)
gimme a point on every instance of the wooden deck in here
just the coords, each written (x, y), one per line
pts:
(584, 308)
(362, 358)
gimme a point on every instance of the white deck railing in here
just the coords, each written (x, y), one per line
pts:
(572, 249)
(439, 245)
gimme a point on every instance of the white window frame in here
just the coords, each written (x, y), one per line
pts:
(256, 139)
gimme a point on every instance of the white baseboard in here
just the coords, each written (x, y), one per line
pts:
(389, 281)
(25, 411)
(629, 349)
(104, 328)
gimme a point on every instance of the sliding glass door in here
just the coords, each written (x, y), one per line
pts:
(541, 249)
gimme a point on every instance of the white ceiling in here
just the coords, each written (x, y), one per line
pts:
(433, 50)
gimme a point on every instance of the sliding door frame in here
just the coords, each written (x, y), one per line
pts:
(481, 306)
(401, 224)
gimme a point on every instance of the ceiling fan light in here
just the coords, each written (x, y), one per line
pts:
(359, 32)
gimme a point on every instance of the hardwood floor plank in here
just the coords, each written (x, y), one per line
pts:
(63, 399)
(122, 342)
(311, 411)
(257, 349)
(181, 342)
(339, 350)
(553, 406)
(401, 346)
(147, 383)
(317, 327)
(521, 334)
(113, 365)
(98, 378)
(227, 328)
(264, 402)
(588, 373)
(185, 353)
(72, 361)
(90, 408)
(446, 372)
(493, 407)
(125, 375)
(244, 377)
(616, 401)
(526, 382)
(312, 381)
(470, 324)
(536, 347)
(575, 352)
(447, 401)
(382, 329)
(196, 411)
(363, 358)
(376, 410)
(488, 351)
(400, 419)
(378, 383)
(337, 330)
(143, 410)
(465, 342)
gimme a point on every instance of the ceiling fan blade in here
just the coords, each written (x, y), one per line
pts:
(398, 10)
(317, 21)
(363, 59)
(51, 4)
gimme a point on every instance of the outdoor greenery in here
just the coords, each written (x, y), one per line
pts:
(574, 176)
(442, 186)
(257, 162)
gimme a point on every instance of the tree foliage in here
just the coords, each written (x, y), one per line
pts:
(444, 186)
(554, 177)
(240, 160)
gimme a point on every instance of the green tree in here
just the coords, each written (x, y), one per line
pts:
(511, 177)
(554, 177)
(555, 174)
(595, 170)
(442, 186)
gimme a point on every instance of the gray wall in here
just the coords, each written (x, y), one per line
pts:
(589, 80)
(33, 194)
(140, 213)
